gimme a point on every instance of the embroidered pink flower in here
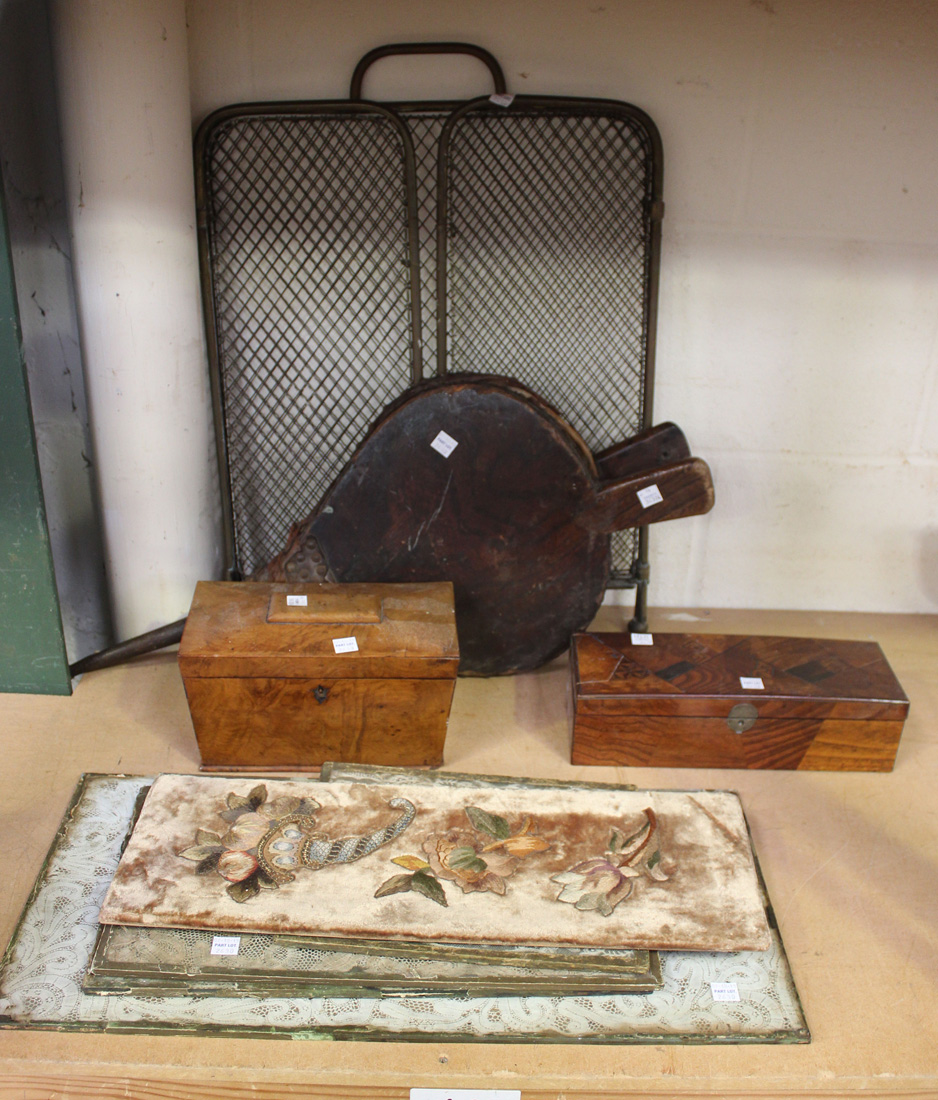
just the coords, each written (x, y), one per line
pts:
(476, 862)
(250, 819)
(283, 805)
(602, 882)
(595, 884)
(246, 832)
(236, 866)
(455, 856)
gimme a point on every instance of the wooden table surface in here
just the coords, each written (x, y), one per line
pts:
(851, 862)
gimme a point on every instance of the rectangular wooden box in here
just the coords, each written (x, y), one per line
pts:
(287, 676)
(733, 701)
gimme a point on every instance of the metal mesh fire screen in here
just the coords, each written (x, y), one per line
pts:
(307, 221)
(349, 249)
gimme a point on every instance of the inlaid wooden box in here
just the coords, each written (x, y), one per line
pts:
(733, 701)
(287, 676)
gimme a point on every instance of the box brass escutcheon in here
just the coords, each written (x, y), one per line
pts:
(742, 717)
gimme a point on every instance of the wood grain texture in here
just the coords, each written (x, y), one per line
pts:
(249, 1087)
(780, 743)
(265, 722)
(849, 858)
(326, 603)
(824, 705)
(685, 489)
(517, 516)
(228, 632)
(655, 446)
(270, 691)
(254, 1085)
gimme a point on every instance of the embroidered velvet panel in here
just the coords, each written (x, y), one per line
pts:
(642, 869)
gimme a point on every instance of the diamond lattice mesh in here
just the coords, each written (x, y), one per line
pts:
(547, 280)
(309, 256)
(548, 263)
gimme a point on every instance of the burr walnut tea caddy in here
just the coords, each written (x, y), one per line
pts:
(287, 676)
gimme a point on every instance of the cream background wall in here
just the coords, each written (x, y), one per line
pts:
(121, 72)
(798, 332)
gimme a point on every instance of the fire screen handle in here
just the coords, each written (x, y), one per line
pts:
(397, 48)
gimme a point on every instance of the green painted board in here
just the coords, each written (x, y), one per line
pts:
(32, 645)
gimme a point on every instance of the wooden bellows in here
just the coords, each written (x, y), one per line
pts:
(477, 480)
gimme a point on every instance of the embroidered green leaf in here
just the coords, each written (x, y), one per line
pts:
(465, 859)
(422, 883)
(604, 905)
(198, 852)
(237, 802)
(639, 841)
(264, 880)
(203, 836)
(307, 806)
(655, 870)
(637, 835)
(615, 842)
(210, 863)
(488, 823)
(243, 891)
(257, 795)
(412, 863)
(399, 884)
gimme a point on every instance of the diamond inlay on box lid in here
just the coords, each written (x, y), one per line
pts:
(703, 674)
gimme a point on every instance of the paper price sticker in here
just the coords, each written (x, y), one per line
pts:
(297, 601)
(751, 683)
(225, 945)
(502, 99)
(724, 991)
(445, 444)
(650, 495)
(465, 1094)
(345, 645)
(642, 639)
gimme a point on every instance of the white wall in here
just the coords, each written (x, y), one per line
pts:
(124, 102)
(798, 332)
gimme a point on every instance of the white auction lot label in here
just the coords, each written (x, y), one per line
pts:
(345, 645)
(724, 991)
(225, 945)
(642, 639)
(445, 444)
(751, 683)
(649, 496)
(465, 1094)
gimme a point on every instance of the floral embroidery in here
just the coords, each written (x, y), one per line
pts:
(266, 842)
(477, 860)
(602, 882)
